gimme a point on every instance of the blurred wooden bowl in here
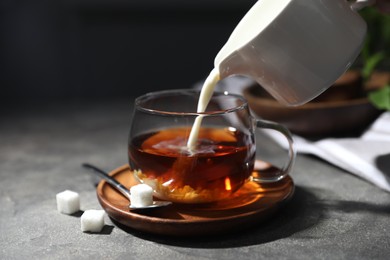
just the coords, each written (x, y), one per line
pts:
(341, 110)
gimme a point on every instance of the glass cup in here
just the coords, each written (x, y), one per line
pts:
(222, 159)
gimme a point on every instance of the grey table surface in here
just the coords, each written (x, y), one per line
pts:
(333, 214)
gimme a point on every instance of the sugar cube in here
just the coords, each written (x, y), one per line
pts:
(92, 220)
(141, 195)
(68, 202)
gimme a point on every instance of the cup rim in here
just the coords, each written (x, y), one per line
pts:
(142, 98)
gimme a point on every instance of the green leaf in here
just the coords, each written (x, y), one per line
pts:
(371, 63)
(381, 98)
(385, 29)
(376, 51)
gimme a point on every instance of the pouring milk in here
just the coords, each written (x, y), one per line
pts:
(295, 49)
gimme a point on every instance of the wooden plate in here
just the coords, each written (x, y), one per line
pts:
(249, 206)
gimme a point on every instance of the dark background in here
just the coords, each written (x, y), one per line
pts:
(85, 49)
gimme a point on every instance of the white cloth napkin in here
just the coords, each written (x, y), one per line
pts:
(367, 156)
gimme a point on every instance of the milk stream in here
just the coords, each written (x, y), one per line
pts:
(204, 99)
(255, 21)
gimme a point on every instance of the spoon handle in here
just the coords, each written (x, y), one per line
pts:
(122, 189)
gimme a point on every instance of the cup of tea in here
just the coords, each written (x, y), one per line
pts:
(222, 159)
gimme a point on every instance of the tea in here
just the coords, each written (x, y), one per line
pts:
(220, 164)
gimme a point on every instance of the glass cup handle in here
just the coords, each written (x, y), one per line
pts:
(286, 169)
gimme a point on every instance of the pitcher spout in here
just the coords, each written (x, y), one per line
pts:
(234, 64)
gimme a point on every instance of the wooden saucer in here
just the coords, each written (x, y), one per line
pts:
(249, 206)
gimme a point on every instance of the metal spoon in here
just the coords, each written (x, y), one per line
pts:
(122, 189)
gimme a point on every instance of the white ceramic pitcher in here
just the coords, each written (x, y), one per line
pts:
(295, 49)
